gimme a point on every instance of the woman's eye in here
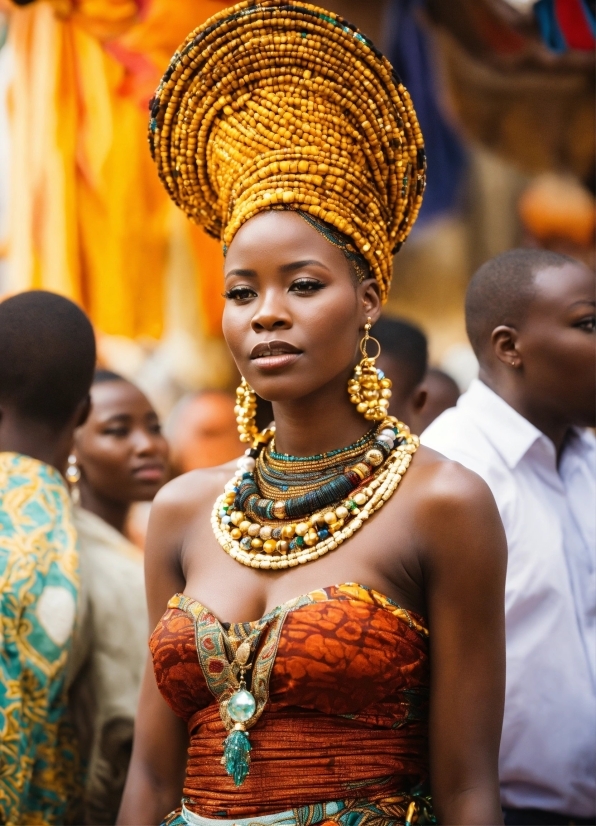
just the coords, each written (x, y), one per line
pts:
(306, 285)
(118, 432)
(587, 324)
(155, 428)
(239, 293)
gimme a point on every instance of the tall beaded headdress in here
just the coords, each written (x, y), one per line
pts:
(275, 104)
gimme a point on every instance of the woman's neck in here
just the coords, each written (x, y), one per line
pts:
(113, 512)
(323, 421)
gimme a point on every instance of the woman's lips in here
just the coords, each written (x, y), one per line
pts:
(273, 362)
(271, 355)
(149, 473)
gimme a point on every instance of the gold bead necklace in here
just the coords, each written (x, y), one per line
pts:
(278, 543)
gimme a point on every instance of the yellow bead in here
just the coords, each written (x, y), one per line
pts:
(302, 529)
(269, 546)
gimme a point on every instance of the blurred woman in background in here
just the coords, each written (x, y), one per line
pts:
(120, 457)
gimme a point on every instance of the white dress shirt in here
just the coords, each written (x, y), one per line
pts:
(548, 747)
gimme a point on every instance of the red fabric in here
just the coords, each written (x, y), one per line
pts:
(572, 20)
(346, 715)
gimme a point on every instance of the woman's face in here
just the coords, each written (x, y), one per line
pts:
(120, 449)
(294, 314)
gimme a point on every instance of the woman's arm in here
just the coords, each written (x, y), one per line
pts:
(156, 774)
(464, 564)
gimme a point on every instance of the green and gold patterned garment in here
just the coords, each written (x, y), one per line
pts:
(39, 586)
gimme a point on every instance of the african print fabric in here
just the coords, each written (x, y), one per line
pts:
(340, 678)
(402, 810)
(39, 585)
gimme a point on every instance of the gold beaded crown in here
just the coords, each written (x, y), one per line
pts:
(274, 104)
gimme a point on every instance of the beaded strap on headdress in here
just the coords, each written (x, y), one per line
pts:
(274, 104)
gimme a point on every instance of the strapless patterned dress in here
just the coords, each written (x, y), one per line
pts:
(341, 676)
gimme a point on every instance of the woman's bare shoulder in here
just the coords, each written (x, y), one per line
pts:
(186, 496)
(452, 504)
(445, 479)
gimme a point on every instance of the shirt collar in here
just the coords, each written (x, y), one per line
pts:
(507, 430)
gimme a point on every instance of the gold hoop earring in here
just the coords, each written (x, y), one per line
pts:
(245, 410)
(369, 390)
(73, 476)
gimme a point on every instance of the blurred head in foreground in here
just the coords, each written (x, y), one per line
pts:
(403, 359)
(47, 357)
(202, 431)
(530, 320)
(442, 393)
(121, 452)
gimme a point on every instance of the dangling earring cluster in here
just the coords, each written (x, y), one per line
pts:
(73, 476)
(369, 390)
(245, 410)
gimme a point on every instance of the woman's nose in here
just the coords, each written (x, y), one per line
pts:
(145, 443)
(271, 315)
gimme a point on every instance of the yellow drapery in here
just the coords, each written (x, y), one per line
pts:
(89, 218)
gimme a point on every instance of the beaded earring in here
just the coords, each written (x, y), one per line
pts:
(245, 410)
(73, 475)
(369, 390)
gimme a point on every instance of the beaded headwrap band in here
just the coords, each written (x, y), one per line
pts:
(275, 104)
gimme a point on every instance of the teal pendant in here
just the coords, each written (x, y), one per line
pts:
(236, 756)
(241, 706)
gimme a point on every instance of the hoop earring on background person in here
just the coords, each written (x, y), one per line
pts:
(369, 390)
(73, 476)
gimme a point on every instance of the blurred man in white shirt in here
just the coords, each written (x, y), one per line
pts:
(522, 427)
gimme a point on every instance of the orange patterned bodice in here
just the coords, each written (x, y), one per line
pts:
(341, 680)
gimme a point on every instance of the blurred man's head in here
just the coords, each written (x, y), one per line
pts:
(202, 431)
(442, 393)
(403, 359)
(530, 320)
(47, 358)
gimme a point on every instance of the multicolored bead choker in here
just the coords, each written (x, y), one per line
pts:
(279, 511)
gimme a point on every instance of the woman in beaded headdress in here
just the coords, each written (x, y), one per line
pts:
(284, 132)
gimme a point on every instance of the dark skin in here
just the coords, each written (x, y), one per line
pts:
(437, 547)
(121, 452)
(40, 440)
(544, 366)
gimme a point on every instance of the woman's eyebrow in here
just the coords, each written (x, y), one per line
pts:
(244, 273)
(580, 301)
(116, 417)
(298, 265)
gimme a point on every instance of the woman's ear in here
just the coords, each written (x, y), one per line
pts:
(371, 300)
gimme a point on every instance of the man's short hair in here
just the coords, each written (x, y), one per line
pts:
(47, 356)
(502, 290)
(406, 343)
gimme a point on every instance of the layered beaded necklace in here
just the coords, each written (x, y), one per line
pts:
(279, 511)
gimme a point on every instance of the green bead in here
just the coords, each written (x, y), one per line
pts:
(241, 706)
(236, 756)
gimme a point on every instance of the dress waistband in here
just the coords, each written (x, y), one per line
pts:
(401, 810)
(293, 817)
